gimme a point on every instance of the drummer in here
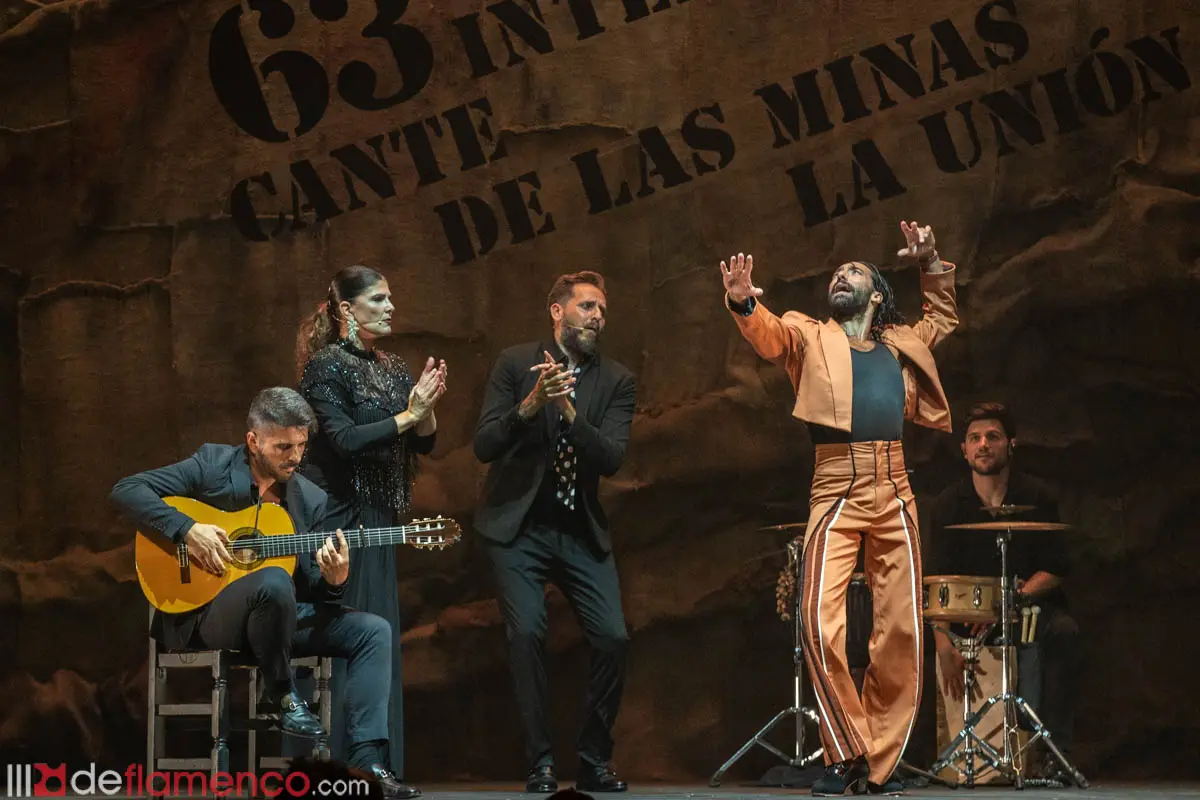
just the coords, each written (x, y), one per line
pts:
(1038, 559)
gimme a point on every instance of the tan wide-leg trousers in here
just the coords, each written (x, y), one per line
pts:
(860, 493)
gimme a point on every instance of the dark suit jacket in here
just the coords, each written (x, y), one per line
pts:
(521, 452)
(219, 475)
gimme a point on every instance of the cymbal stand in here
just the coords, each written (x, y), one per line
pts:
(796, 709)
(1014, 706)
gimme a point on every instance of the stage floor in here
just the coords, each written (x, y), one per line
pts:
(738, 792)
(1106, 791)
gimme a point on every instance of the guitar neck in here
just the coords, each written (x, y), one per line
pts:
(293, 544)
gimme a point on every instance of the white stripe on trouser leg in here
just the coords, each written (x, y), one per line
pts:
(821, 583)
(820, 641)
(912, 579)
(828, 724)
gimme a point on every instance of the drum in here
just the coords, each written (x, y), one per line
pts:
(990, 728)
(961, 598)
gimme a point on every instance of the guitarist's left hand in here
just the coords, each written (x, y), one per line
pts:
(334, 561)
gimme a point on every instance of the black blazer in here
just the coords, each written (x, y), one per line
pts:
(521, 452)
(219, 475)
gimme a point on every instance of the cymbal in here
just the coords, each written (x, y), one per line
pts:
(1004, 510)
(1013, 525)
(787, 526)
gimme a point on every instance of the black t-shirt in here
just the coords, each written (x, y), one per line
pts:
(959, 552)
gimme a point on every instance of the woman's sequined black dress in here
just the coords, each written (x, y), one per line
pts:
(367, 467)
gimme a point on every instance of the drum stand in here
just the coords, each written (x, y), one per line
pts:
(972, 744)
(798, 760)
(1013, 705)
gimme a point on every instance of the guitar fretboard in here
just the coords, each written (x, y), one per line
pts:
(291, 544)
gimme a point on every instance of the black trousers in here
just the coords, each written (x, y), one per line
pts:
(1061, 663)
(542, 554)
(259, 613)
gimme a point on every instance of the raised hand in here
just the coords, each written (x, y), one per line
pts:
(920, 242)
(553, 382)
(737, 278)
(428, 389)
(208, 546)
(334, 561)
(440, 379)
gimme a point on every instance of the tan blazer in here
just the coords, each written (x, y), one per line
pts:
(816, 356)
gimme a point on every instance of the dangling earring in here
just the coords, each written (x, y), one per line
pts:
(352, 330)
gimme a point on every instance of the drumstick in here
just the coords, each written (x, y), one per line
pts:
(1025, 624)
(1033, 624)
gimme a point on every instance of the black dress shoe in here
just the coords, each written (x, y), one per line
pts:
(599, 779)
(541, 780)
(841, 776)
(294, 716)
(892, 786)
(391, 786)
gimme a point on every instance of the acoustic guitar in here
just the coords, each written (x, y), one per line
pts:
(260, 536)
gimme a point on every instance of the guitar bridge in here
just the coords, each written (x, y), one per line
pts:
(185, 563)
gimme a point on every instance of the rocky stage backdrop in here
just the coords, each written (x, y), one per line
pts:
(179, 181)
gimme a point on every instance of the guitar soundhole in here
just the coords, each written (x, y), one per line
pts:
(245, 552)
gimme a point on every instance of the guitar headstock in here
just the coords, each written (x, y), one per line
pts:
(433, 533)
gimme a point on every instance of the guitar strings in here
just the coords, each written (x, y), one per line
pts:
(287, 544)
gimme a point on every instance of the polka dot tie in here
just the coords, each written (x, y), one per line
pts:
(564, 462)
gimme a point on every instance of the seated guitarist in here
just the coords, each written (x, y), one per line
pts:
(272, 614)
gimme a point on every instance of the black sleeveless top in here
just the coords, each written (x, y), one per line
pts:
(878, 409)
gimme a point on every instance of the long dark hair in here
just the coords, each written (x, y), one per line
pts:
(887, 313)
(322, 326)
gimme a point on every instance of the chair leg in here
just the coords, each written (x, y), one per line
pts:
(324, 672)
(220, 716)
(152, 718)
(252, 735)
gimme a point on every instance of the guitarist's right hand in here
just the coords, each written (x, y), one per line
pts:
(209, 548)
